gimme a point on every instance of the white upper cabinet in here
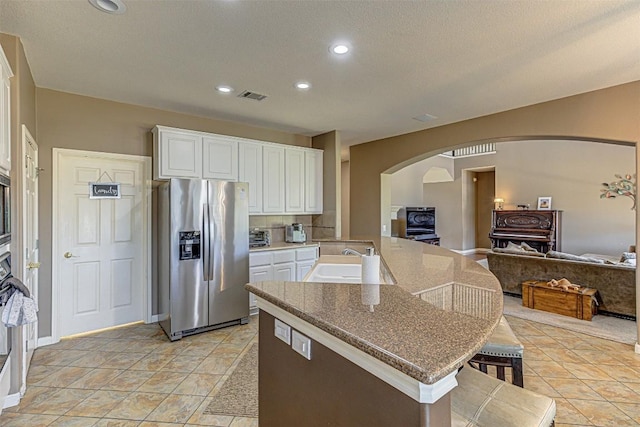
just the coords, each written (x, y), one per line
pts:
(282, 179)
(294, 180)
(176, 154)
(220, 158)
(250, 170)
(5, 113)
(313, 161)
(273, 179)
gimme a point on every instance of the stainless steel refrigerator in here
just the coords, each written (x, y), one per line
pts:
(202, 255)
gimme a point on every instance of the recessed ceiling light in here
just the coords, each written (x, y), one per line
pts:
(340, 48)
(115, 7)
(224, 89)
(303, 85)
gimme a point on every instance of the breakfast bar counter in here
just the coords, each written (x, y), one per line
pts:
(412, 335)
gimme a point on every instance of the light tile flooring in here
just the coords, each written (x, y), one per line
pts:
(133, 376)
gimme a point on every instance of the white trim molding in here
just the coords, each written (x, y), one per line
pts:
(11, 400)
(44, 341)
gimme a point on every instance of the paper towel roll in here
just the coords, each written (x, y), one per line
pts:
(370, 294)
(371, 269)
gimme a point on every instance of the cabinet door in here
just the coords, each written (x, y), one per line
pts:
(273, 179)
(178, 155)
(258, 274)
(313, 181)
(302, 268)
(285, 272)
(250, 170)
(5, 122)
(220, 158)
(294, 180)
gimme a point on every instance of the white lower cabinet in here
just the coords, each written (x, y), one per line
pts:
(285, 272)
(283, 265)
(302, 268)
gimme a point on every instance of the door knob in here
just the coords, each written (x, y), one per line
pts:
(69, 255)
(33, 265)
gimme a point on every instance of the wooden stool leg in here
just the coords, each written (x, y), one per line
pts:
(500, 372)
(483, 367)
(516, 364)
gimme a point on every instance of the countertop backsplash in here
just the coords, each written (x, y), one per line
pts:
(276, 224)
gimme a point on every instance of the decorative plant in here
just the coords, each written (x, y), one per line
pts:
(624, 186)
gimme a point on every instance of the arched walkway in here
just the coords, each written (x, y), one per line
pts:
(609, 115)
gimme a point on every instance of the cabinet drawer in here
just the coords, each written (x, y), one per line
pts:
(260, 258)
(306, 254)
(284, 256)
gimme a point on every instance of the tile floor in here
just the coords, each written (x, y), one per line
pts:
(133, 376)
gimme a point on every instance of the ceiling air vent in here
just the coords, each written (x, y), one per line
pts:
(252, 95)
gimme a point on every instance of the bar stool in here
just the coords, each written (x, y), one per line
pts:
(502, 350)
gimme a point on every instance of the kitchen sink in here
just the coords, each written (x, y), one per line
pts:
(337, 269)
(334, 273)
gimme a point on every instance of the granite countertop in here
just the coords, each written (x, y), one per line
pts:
(284, 245)
(439, 313)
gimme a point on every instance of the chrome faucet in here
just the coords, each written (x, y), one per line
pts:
(349, 251)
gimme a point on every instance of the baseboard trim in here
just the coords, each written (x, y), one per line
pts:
(154, 319)
(11, 400)
(44, 341)
(471, 251)
(637, 348)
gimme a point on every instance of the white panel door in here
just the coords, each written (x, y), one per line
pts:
(250, 170)
(294, 180)
(313, 181)
(179, 154)
(31, 250)
(100, 244)
(220, 158)
(273, 179)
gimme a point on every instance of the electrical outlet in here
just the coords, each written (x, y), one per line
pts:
(282, 331)
(301, 344)
(384, 228)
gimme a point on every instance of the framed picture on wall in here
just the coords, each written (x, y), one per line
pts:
(544, 203)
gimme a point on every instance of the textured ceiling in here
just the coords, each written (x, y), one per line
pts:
(452, 59)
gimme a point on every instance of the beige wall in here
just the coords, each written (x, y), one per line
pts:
(79, 122)
(406, 184)
(608, 114)
(344, 208)
(572, 176)
(327, 225)
(23, 111)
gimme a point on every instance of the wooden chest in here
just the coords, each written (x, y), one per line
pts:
(580, 304)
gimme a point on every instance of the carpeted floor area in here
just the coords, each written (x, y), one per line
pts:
(238, 396)
(607, 327)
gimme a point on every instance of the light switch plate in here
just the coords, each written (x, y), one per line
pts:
(282, 331)
(301, 344)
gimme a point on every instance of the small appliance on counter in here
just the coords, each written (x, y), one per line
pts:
(295, 234)
(259, 238)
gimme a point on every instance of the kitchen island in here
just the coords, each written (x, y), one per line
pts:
(346, 361)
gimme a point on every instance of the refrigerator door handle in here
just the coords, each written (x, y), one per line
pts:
(210, 242)
(205, 242)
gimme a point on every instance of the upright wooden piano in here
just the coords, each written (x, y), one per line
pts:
(540, 229)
